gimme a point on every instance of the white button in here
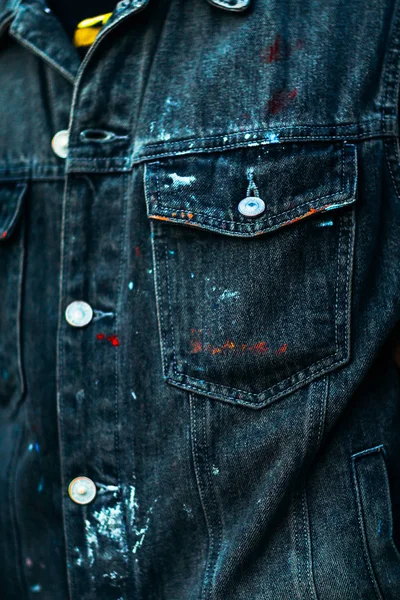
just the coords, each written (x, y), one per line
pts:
(59, 143)
(78, 313)
(82, 490)
(251, 206)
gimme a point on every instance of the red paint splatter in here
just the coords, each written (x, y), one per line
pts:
(281, 350)
(113, 339)
(281, 99)
(4, 234)
(281, 49)
(137, 251)
(229, 345)
(274, 50)
(260, 347)
(307, 214)
(196, 346)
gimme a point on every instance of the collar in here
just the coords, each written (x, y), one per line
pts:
(8, 8)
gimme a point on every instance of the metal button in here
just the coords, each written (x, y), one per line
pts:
(122, 4)
(59, 143)
(251, 206)
(82, 490)
(78, 313)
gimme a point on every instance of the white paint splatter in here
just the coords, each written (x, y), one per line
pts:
(132, 508)
(131, 285)
(106, 488)
(109, 522)
(174, 103)
(113, 575)
(91, 539)
(133, 395)
(187, 510)
(79, 559)
(227, 294)
(215, 470)
(180, 180)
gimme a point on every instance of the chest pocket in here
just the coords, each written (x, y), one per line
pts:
(12, 194)
(253, 255)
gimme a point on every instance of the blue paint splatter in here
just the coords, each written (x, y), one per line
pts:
(40, 486)
(36, 588)
(273, 138)
(37, 447)
(325, 224)
(171, 251)
(379, 526)
(30, 447)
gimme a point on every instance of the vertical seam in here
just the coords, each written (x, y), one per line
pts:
(194, 446)
(12, 496)
(65, 222)
(307, 540)
(116, 377)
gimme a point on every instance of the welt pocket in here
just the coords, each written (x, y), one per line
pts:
(375, 519)
(12, 196)
(253, 305)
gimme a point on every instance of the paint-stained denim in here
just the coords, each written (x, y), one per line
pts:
(235, 397)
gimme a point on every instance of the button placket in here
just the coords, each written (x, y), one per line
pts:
(89, 349)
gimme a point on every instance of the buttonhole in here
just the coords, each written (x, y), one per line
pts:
(99, 135)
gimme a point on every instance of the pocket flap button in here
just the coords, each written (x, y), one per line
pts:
(251, 206)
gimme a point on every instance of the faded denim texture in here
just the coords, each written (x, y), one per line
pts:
(235, 397)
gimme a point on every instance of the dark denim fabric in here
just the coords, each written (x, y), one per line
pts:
(235, 397)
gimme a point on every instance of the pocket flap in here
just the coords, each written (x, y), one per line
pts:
(11, 198)
(293, 181)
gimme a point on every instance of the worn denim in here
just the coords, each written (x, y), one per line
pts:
(235, 397)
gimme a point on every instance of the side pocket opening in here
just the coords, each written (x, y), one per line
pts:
(375, 518)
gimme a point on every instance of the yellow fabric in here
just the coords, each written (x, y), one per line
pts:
(86, 30)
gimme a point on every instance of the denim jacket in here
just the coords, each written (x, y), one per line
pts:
(199, 291)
